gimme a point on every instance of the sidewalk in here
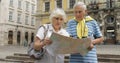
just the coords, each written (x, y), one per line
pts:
(101, 49)
(108, 49)
(11, 49)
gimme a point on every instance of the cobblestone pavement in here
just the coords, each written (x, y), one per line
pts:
(101, 49)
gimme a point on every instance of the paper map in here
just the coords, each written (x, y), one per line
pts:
(67, 45)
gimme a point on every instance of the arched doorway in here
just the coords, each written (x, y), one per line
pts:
(18, 37)
(32, 37)
(110, 35)
(26, 39)
(10, 37)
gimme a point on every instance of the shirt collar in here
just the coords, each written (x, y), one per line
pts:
(53, 30)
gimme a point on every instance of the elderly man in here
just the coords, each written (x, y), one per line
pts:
(82, 26)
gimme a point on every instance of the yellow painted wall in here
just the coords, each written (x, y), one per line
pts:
(69, 17)
(64, 4)
(45, 20)
(53, 5)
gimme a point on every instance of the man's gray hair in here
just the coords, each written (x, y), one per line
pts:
(58, 12)
(80, 4)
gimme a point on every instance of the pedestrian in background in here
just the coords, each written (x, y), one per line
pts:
(82, 26)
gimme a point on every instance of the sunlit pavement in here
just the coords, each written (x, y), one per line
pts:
(101, 49)
(108, 49)
(10, 50)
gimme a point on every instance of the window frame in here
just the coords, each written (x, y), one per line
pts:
(71, 5)
(59, 3)
(47, 7)
(26, 19)
(19, 4)
(11, 3)
(32, 21)
(10, 16)
(27, 6)
(33, 9)
(19, 18)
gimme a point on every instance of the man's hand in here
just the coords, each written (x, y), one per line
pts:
(91, 46)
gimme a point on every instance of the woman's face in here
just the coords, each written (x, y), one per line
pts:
(79, 12)
(57, 22)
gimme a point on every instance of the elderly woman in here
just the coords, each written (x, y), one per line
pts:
(57, 19)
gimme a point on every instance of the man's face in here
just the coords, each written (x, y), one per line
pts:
(79, 12)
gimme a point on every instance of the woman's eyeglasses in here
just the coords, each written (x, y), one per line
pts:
(57, 18)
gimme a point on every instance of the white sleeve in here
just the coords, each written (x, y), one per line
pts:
(65, 33)
(40, 33)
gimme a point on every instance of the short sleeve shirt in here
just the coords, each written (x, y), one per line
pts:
(51, 57)
(93, 31)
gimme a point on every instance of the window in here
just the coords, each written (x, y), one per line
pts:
(19, 18)
(101, 27)
(119, 26)
(10, 37)
(11, 2)
(33, 0)
(110, 19)
(18, 37)
(32, 37)
(110, 35)
(10, 16)
(32, 21)
(33, 9)
(59, 3)
(26, 36)
(110, 3)
(47, 6)
(27, 6)
(19, 4)
(71, 3)
(26, 19)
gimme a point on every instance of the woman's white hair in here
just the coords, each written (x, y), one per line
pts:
(80, 4)
(58, 12)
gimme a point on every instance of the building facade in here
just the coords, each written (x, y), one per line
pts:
(106, 12)
(17, 21)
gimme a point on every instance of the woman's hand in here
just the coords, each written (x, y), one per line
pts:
(47, 41)
(38, 45)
